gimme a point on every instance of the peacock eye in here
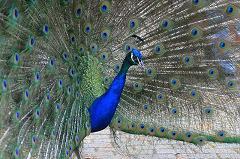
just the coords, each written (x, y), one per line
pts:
(134, 59)
(165, 23)
(78, 12)
(17, 152)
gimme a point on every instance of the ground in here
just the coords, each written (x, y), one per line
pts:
(99, 146)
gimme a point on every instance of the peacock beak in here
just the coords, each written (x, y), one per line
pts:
(141, 63)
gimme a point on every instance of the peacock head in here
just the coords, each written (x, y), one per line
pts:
(135, 57)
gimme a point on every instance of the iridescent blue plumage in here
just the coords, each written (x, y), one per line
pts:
(103, 108)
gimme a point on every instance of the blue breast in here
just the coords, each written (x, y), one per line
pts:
(103, 108)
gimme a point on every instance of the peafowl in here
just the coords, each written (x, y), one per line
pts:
(163, 68)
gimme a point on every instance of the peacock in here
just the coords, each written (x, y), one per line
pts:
(163, 68)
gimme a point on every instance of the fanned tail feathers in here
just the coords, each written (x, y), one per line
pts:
(57, 56)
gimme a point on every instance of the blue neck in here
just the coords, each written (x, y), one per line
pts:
(125, 67)
(103, 108)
